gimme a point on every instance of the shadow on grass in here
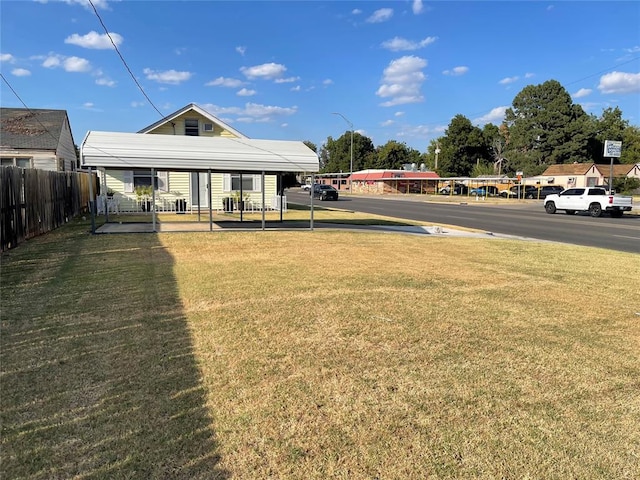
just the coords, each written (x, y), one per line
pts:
(99, 377)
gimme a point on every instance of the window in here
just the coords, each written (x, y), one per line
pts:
(142, 178)
(191, 127)
(208, 127)
(22, 162)
(247, 183)
(250, 183)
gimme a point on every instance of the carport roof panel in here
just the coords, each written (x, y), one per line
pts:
(182, 152)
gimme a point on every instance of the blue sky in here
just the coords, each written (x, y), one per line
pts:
(397, 70)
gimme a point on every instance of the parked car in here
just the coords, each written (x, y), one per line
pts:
(525, 191)
(306, 187)
(324, 192)
(486, 191)
(548, 190)
(459, 189)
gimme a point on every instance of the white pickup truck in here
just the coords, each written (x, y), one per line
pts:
(594, 200)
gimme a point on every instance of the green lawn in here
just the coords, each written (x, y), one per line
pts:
(317, 355)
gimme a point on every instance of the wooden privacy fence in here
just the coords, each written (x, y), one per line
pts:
(33, 202)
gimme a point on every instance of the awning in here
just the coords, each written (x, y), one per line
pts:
(182, 152)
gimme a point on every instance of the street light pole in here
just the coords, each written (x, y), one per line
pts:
(351, 149)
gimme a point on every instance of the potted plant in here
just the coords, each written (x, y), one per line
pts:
(240, 201)
(143, 194)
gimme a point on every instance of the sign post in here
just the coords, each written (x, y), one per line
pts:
(612, 149)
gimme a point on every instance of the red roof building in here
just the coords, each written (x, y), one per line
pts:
(394, 181)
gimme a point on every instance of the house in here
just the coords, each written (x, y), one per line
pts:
(586, 174)
(181, 184)
(36, 138)
(194, 161)
(394, 181)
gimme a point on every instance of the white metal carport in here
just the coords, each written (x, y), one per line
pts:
(197, 154)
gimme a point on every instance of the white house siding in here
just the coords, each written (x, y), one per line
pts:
(66, 151)
(178, 188)
(176, 127)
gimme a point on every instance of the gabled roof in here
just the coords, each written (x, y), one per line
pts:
(370, 175)
(195, 108)
(568, 169)
(34, 129)
(620, 170)
(182, 152)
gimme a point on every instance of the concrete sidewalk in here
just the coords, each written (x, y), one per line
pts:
(249, 226)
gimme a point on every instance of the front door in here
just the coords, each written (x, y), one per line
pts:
(199, 190)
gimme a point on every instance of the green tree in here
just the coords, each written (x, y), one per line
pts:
(461, 147)
(630, 145)
(335, 155)
(546, 128)
(393, 155)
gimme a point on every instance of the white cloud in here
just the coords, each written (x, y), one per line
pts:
(456, 71)
(583, 92)
(356, 11)
(171, 77)
(180, 50)
(52, 61)
(620, 82)
(241, 50)
(381, 15)
(137, 104)
(266, 71)
(105, 82)
(250, 113)
(94, 40)
(287, 80)
(327, 81)
(402, 80)
(495, 116)
(397, 44)
(99, 4)
(387, 123)
(69, 64)
(417, 7)
(246, 93)
(7, 57)
(529, 75)
(508, 80)
(225, 82)
(635, 49)
(76, 64)
(297, 88)
(20, 72)
(87, 105)
(398, 114)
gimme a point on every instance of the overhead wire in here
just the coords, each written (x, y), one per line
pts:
(124, 62)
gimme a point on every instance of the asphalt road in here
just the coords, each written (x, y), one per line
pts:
(524, 219)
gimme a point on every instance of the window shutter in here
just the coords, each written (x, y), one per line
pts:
(226, 182)
(256, 183)
(127, 179)
(163, 181)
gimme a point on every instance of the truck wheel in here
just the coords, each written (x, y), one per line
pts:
(616, 213)
(550, 207)
(570, 212)
(595, 210)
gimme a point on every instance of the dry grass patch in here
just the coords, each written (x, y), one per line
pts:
(317, 355)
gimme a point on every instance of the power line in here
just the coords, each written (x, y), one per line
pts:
(123, 60)
(31, 112)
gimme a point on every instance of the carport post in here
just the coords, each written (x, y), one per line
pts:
(153, 200)
(313, 182)
(210, 199)
(91, 202)
(263, 199)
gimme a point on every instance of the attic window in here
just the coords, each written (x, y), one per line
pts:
(191, 127)
(208, 127)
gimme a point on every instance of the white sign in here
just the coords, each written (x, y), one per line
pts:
(612, 149)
